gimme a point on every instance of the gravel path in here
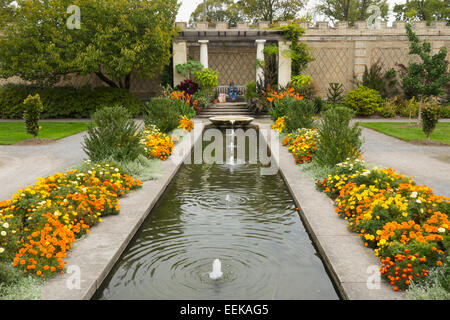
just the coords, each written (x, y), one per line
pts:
(20, 166)
(428, 165)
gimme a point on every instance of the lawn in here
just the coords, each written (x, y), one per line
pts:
(399, 130)
(12, 132)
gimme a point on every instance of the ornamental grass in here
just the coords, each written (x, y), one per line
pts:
(41, 222)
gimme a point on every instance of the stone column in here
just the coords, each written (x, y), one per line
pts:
(361, 59)
(204, 52)
(260, 57)
(284, 63)
(179, 57)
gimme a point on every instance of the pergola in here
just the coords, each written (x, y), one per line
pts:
(233, 51)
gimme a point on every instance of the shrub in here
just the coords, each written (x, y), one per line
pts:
(388, 108)
(304, 85)
(334, 95)
(408, 108)
(32, 111)
(65, 102)
(207, 78)
(112, 134)
(188, 86)
(383, 82)
(299, 115)
(445, 112)
(162, 113)
(250, 92)
(364, 101)
(337, 139)
(430, 118)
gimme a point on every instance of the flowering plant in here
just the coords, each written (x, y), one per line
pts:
(405, 224)
(186, 124)
(279, 125)
(157, 144)
(41, 222)
(302, 143)
(280, 101)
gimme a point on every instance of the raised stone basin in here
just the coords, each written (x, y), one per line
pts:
(231, 121)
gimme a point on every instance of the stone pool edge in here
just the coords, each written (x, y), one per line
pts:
(348, 262)
(93, 257)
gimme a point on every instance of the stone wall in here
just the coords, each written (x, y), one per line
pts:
(340, 52)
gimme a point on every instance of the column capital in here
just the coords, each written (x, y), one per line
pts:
(203, 41)
(260, 41)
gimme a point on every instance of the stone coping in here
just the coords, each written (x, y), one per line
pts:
(347, 261)
(96, 254)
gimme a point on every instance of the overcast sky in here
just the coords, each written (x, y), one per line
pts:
(187, 6)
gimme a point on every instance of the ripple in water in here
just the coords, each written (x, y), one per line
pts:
(246, 220)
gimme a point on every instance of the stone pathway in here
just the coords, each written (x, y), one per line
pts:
(20, 166)
(428, 165)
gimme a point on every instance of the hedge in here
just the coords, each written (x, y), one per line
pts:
(65, 102)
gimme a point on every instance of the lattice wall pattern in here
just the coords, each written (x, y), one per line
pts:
(331, 65)
(233, 63)
(389, 57)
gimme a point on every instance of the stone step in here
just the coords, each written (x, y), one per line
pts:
(230, 104)
(224, 109)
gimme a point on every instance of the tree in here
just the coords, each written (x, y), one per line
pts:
(350, 10)
(6, 12)
(216, 10)
(270, 10)
(428, 77)
(116, 38)
(423, 10)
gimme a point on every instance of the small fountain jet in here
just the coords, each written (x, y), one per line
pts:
(216, 271)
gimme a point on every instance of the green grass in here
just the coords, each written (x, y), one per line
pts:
(398, 130)
(12, 132)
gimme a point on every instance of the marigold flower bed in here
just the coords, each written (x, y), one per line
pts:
(405, 224)
(41, 222)
(157, 144)
(302, 144)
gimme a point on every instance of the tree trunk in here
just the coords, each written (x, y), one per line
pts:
(106, 80)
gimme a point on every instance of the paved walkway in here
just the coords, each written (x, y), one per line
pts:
(20, 166)
(428, 165)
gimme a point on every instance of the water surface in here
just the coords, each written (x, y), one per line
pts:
(231, 212)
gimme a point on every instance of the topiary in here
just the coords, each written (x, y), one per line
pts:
(430, 118)
(337, 139)
(364, 101)
(112, 134)
(33, 108)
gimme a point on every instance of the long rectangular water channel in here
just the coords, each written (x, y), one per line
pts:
(225, 211)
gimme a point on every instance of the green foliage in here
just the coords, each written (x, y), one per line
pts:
(112, 135)
(250, 91)
(162, 113)
(299, 115)
(275, 10)
(364, 101)
(423, 10)
(430, 118)
(445, 112)
(337, 139)
(335, 93)
(15, 285)
(428, 77)
(299, 51)
(301, 81)
(388, 109)
(216, 10)
(408, 108)
(383, 82)
(203, 96)
(32, 111)
(435, 287)
(65, 102)
(207, 78)
(116, 38)
(189, 68)
(351, 10)
(183, 108)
